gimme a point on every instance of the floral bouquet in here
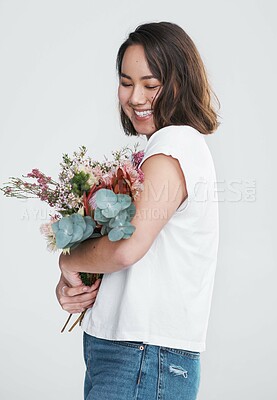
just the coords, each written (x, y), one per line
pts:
(90, 199)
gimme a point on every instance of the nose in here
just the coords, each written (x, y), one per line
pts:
(138, 96)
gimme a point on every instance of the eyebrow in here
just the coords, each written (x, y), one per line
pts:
(142, 78)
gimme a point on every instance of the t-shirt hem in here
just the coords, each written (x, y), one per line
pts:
(156, 340)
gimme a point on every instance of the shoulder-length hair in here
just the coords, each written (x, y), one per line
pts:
(185, 97)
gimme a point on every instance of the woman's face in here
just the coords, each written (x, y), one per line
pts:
(137, 90)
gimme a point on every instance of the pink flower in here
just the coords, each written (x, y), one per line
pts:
(134, 177)
(39, 176)
(46, 230)
(137, 158)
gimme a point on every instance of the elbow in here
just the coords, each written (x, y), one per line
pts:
(128, 256)
(123, 261)
(130, 251)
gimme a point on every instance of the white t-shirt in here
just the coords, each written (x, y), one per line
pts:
(164, 299)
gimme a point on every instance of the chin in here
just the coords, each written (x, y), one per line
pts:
(146, 131)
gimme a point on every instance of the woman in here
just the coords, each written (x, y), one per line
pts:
(146, 329)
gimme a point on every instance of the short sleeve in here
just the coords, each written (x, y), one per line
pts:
(188, 146)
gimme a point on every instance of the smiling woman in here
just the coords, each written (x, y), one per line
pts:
(138, 90)
(144, 332)
(176, 72)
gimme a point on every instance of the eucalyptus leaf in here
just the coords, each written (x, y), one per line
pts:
(129, 229)
(131, 210)
(95, 235)
(66, 225)
(115, 234)
(89, 221)
(77, 233)
(112, 210)
(88, 232)
(78, 219)
(119, 220)
(105, 198)
(104, 230)
(99, 217)
(124, 200)
(55, 227)
(72, 230)
(62, 239)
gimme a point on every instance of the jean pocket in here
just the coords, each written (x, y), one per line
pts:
(193, 355)
(127, 343)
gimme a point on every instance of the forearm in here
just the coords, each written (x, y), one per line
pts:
(103, 256)
(96, 256)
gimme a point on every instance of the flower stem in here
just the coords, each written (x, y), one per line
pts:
(65, 325)
(79, 319)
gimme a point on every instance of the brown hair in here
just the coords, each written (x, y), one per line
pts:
(185, 97)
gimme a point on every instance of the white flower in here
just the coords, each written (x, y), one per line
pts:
(92, 180)
(46, 230)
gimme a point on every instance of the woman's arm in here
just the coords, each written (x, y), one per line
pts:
(164, 190)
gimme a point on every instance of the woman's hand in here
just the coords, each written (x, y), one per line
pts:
(76, 299)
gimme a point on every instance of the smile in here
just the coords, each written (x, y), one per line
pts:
(144, 113)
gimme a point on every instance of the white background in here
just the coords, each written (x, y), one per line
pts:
(58, 91)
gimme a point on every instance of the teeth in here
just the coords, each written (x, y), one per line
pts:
(143, 113)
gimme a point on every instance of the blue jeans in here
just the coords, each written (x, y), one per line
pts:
(126, 370)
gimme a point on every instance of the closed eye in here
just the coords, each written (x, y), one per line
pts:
(125, 84)
(152, 87)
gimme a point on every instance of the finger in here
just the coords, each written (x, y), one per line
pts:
(72, 291)
(82, 306)
(78, 299)
(78, 307)
(63, 290)
(75, 291)
(85, 297)
(97, 282)
(93, 287)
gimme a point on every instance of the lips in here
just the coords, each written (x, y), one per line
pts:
(143, 113)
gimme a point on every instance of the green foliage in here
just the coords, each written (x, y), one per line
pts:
(88, 279)
(114, 212)
(80, 183)
(72, 230)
